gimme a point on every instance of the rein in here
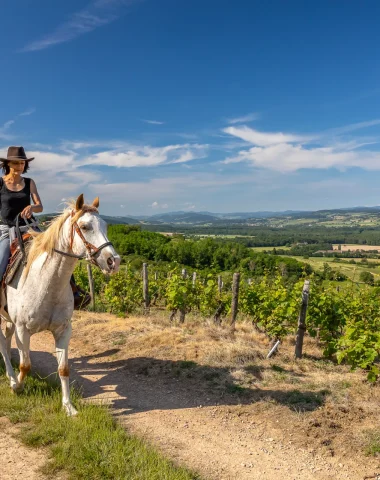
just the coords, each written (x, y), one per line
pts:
(17, 231)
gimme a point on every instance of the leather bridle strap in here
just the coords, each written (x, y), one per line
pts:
(92, 251)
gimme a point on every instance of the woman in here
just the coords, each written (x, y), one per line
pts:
(16, 192)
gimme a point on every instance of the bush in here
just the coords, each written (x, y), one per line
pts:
(367, 277)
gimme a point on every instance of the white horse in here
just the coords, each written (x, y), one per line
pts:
(40, 297)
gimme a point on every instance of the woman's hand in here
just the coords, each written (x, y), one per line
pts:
(27, 212)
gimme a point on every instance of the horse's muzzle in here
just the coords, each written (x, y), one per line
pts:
(113, 263)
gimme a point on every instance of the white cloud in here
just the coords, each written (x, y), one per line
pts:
(157, 205)
(288, 152)
(189, 206)
(97, 14)
(250, 117)
(352, 127)
(147, 156)
(4, 135)
(153, 122)
(28, 112)
(84, 176)
(6, 126)
(159, 191)
(50, 162)
(263, 138)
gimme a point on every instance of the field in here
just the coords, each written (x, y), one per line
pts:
(225, 237)
(352, 271)
(268, 249)
(210, 400)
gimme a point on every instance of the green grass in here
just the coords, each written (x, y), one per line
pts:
(372, 446)
(90, 446)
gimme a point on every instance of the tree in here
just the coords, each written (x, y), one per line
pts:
(367, 277)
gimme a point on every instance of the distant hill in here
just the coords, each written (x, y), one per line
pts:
(247, 215)
(235, 218)
(46, 217)
(120, 220)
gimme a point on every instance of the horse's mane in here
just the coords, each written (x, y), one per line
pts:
(45, 242)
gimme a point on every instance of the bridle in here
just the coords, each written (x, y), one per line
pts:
(92, 252)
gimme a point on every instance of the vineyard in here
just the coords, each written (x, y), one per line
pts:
(344, 320)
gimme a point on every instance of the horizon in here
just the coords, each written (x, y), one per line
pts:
(133, 215)
(210, 106)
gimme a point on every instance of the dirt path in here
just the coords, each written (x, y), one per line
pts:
(217, 437)
(18, 461)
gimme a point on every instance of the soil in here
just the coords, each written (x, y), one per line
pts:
(175, 387)
(18, 461)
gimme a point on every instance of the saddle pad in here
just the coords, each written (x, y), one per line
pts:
(15, 262)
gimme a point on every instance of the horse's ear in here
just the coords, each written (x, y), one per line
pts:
(79, 203)
(96, 202)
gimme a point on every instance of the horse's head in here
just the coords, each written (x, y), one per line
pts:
(89, 236)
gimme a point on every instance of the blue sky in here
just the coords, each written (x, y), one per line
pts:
(163, 105)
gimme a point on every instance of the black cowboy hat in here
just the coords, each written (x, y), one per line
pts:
(16, 154)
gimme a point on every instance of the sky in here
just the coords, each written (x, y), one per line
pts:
(201, 105)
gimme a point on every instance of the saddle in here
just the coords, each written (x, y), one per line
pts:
(19, 254)
(20, 247)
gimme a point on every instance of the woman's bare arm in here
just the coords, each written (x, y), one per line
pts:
(37, 207)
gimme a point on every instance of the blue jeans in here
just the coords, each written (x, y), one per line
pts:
(5, 253)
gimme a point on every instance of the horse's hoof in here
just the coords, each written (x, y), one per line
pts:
(16, 387)
(70, 410)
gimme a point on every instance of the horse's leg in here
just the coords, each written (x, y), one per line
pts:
(62, 346)
(9, 331)
(23, 345)
(8, 366)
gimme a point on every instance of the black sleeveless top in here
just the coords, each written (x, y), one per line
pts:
(13, 203)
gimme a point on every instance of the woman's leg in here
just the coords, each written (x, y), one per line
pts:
(81, 298)
(5, 252)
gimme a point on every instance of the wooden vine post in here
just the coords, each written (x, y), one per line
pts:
(235, 299)
(220, 283)
(146, 288)
(182, 311)
(91, 285)
(220, 309)
(302, 320)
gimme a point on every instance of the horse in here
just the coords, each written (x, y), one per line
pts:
(40, 296)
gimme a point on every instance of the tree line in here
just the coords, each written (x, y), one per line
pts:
(264, 236)
(217, 255)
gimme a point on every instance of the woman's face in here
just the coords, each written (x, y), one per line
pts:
(17, 167)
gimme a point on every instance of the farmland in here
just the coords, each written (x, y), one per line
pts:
(351, 270)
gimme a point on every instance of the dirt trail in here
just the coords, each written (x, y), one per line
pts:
(18, 461)
(217, 437)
